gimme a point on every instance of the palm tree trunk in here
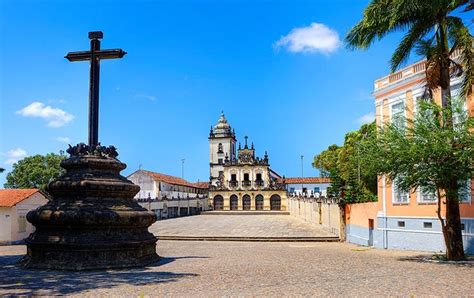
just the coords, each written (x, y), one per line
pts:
(452, 231)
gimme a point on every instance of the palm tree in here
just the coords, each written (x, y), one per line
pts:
(432, 30)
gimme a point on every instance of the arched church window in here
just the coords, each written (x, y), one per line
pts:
(219, 148)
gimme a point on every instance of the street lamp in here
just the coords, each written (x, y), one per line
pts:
(302, 174)
(182, 167)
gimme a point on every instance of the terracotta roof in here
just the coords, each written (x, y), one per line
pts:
(11, 197)
(307, 180)
(201, 184)
(174, 180)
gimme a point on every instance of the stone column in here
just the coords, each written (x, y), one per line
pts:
(284, 202)
(240, 204)
(252, 202)
(226, 202)
(266, 203)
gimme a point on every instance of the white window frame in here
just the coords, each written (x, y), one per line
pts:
(22, 223)
(468, 197)
(455, 93)
(416, 94)
(420, 199)
(400, 100)
(395, 201)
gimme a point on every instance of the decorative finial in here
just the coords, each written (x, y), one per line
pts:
(240, 147)
(252, 146)
(246, 147)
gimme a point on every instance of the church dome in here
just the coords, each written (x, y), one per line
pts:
(222, 128)
(222, 123)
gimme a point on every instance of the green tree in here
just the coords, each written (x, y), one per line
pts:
(432, 29)
(351, 180)
(428, 154)
(35, 171)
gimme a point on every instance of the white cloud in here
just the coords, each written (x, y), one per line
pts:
(146, 96)
(14, 155)
(312, 39)
(54, 116)
(367, 118)
(65, 140)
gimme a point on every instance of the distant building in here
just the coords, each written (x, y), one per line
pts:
(238, 179)
(170, 196)
(14, 205)
(309, 186)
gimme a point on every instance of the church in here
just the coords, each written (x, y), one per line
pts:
(238, 179)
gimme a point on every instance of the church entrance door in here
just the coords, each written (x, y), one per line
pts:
(275, 202)
(234, 202)
(246, 202)
(259, 202)
(218, 202)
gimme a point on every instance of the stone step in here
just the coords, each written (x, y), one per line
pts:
(250, 239)
(241, 212)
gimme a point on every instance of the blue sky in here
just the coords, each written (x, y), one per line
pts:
(278, 71)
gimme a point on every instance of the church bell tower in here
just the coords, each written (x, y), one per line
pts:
(221, 148)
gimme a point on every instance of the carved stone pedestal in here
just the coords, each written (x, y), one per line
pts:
(92, 221)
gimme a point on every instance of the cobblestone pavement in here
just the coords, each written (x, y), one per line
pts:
(250, 269)
(237, 225)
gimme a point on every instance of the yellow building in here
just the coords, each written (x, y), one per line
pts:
(400, 219)
(238, 179)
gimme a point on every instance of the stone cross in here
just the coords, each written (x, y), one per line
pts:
(94, 55)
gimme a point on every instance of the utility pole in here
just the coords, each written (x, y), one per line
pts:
(302, 174)
(182, 167)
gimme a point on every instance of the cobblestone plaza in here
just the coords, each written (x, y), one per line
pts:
(205, 268)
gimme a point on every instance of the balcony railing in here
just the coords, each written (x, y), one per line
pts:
(258, 182)
(233, 183)
(246, 183)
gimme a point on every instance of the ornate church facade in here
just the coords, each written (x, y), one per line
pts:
(238, 179)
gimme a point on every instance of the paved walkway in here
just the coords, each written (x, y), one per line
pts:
(237, 226)
(250, 269)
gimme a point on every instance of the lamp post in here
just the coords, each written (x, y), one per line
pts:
(302, 174)
(182, 167)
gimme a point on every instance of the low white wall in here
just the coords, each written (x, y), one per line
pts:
(322, 212)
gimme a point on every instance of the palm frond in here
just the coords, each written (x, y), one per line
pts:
(408, 43)
(463, 40)
(374, 24)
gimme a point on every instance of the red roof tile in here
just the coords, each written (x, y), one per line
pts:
(201, 184)
(11, 197)
(307, 180)
(175, 180)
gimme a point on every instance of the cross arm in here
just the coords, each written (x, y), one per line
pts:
(102, 54)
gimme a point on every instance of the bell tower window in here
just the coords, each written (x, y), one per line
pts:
(219, 148)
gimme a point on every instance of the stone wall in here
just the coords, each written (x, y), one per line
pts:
(323, 212)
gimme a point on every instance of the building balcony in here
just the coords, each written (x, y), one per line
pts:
(259, 183)
(246, 183)
(233, 183)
